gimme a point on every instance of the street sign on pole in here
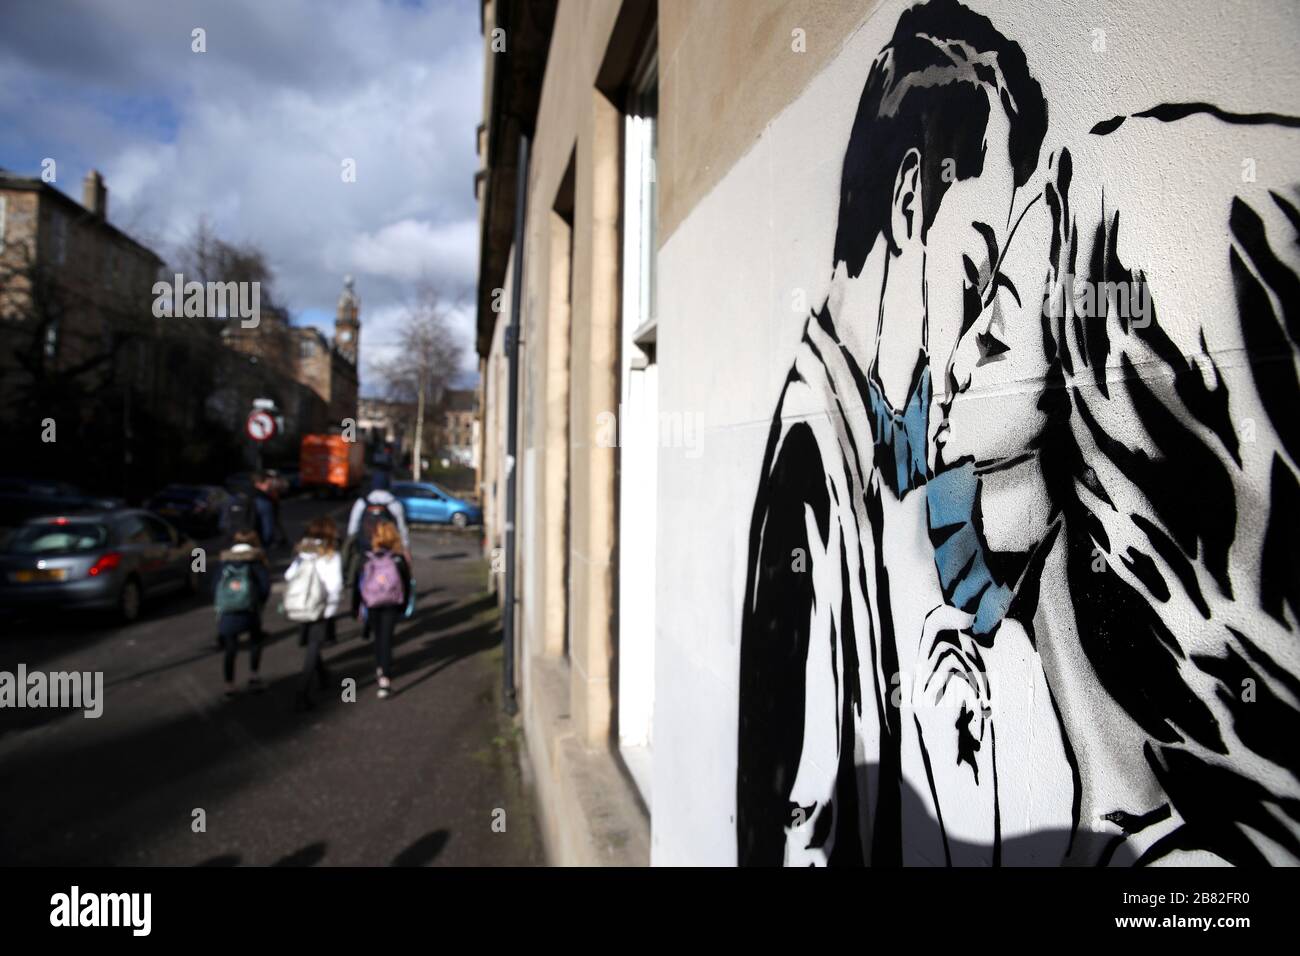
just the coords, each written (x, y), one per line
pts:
(260, 426)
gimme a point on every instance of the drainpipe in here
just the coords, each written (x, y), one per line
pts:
(512, 425)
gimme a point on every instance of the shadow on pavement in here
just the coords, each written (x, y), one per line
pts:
(309, 855)
(26, 719)
(423, 850)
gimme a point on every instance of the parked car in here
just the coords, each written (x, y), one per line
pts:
(195, 509)
(240, 483)
(21, 499)
(426, 502)
(109, 560)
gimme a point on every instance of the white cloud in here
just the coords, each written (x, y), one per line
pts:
(410, 250)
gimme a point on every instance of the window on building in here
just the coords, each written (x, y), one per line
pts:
(144, 369)
(638, 420)
(52, 339)
(4, 201)
(306, 348)
(58, 238)
(559, 348)
(641, 196)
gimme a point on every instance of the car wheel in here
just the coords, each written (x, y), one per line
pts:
(460, 519)
(128, 601)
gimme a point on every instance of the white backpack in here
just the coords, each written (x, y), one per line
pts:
(305, 597)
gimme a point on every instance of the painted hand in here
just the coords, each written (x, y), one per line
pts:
(953, 715)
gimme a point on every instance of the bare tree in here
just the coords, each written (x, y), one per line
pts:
(428, 357)
(206, 257)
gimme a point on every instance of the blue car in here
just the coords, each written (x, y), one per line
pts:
(426, 502)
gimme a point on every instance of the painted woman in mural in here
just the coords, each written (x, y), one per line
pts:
(1038, 563)
(1158, 585)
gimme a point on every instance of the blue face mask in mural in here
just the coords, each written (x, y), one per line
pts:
(900, 436)
(952, 499)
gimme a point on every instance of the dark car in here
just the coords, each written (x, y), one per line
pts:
(195, 509)
(240, 483)
(21, 499)
(108, 560)
(424, 501)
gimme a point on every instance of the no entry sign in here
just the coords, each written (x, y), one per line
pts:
(260, 426)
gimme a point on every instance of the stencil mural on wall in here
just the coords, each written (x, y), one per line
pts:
(1049, 623)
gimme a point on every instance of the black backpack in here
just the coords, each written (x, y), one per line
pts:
(371, 519)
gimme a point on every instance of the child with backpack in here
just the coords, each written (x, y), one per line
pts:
(372, 509)
(314, 587)
(242, 588)
(383, 588)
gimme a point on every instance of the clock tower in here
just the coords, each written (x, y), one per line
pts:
(347, 325)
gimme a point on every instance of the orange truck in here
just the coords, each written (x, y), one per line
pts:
(330, 461)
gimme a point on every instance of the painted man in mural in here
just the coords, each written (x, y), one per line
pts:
(947, 134)
(1001, 525)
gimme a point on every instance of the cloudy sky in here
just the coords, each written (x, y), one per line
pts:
(254, 133)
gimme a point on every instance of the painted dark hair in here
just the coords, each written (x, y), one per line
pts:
(930, 89)
(1177, 601)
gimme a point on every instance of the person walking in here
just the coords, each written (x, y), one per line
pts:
(242, 589)
(378, 504)
(264, 510)
(370, 510)
(276, 488)
(314, 588)
(383, 590)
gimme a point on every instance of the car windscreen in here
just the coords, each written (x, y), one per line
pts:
(182, 491)
(66, 538)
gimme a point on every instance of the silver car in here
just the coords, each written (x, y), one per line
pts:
(109, 560)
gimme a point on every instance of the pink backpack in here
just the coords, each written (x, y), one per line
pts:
(381, 581)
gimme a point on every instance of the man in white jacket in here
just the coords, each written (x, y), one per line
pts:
(382, 497)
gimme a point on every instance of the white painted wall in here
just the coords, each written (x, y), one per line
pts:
(737, 277)
(638, 441)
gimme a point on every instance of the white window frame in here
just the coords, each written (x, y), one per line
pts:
(638, 429)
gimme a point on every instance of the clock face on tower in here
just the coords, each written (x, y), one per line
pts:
(345, 336)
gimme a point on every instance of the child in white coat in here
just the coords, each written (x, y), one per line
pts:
(317, 554)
